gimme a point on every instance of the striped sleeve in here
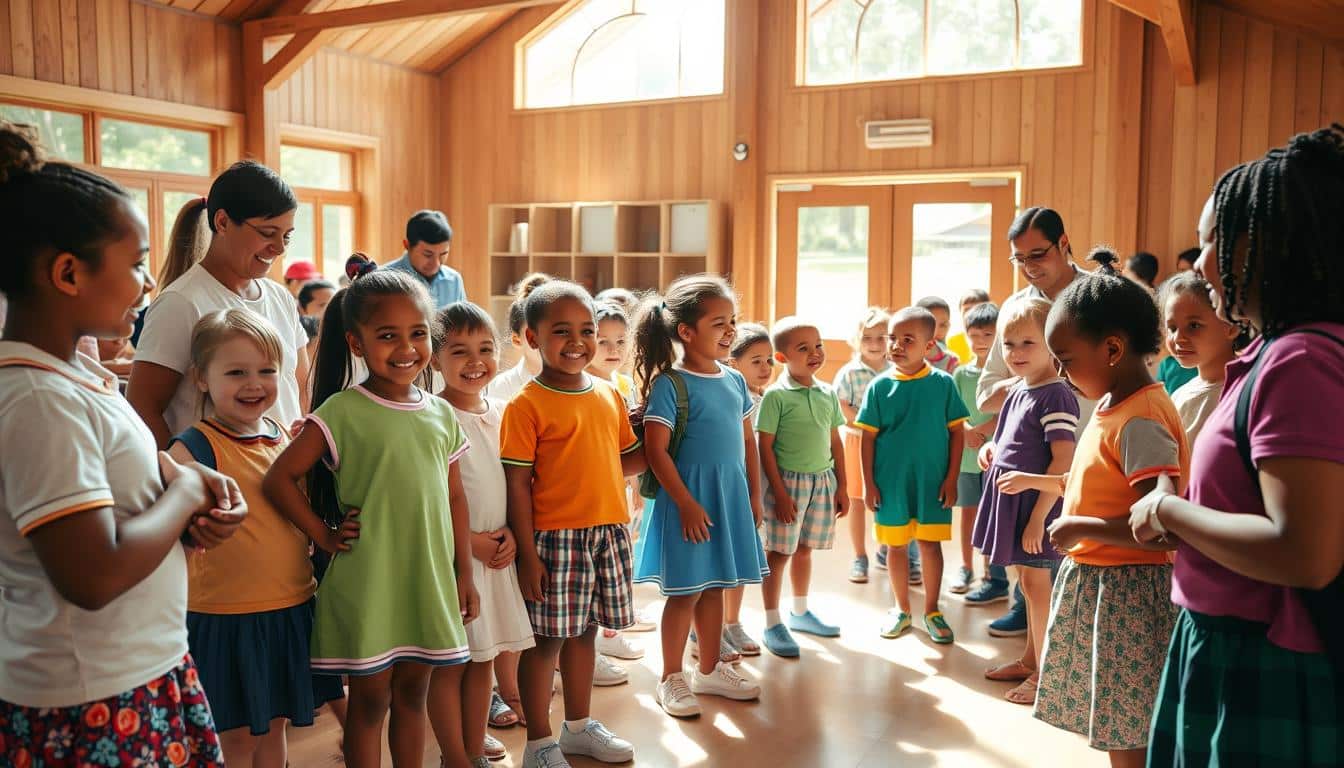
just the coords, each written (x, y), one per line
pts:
(1148, 449)
(1059, 413)
(519, 432)
(34, 492)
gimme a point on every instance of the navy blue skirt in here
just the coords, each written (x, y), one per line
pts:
(255, 667)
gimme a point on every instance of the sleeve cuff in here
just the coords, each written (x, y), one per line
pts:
(633, 447)
(515, 462)
(956, 422)
(333, 458)
(1150, 472)
(865, 427)
(39, 518)
(659, 420)
(466, 446)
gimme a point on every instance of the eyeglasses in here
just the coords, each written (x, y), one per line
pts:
(1032, 257)
(273, 234)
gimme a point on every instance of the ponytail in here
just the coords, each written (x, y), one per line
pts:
(654, 353)
(1105, 259)
(187, 243)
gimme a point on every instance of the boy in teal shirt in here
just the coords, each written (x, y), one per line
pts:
(803, 462)
(912, 444)
(980, 321)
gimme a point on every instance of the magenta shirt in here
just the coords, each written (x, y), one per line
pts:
(1294, 413)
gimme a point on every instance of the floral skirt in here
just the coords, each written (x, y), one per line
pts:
(163, 723)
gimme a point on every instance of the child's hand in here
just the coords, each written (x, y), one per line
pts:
(947, 493)
(1013, 483)
(1141, 513)
(784, 509)
(841, 504)
(1032, 535)
(339, 539)
(985, 457)
(469, 601)
(210, 529)
(1065, 532)
(974, 437)
(532, 578)
(508, 548)
(484, 546)
(695, 524)
(872, 497)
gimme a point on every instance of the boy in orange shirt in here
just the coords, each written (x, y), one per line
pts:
(567, 447)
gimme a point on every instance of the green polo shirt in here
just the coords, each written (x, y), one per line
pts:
(801, 419)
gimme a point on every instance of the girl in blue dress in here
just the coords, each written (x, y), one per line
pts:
(701, 535)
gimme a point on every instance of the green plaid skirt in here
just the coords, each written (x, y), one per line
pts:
(1229, 697)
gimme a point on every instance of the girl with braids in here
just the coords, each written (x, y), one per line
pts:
(381, 460)
(1253, 673)
(94, 668)
(701, 536)
(249, 215)
(1110, 611)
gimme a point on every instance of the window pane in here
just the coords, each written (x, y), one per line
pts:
(891, 40)
(832, 261)
(830, 43)
(302, 245)
(140, 196)
(1051, 33)
(173, 201)
(61, 133)
(145, 147)
(318, 168)
(971, 36)
(951, 251)
(338, 240)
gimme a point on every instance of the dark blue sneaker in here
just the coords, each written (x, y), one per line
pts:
(1011, 624)
(880, 562)
(916, 573)
(989, 591)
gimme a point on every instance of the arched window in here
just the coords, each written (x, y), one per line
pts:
(604, 51)
(849, 41)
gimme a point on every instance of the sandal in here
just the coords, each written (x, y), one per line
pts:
(501, 715)
(1025, 692)
(515, 704)
(1012, 672)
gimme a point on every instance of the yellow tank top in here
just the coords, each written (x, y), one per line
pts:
(264, 566)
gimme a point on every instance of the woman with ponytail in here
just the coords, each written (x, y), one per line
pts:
(249, 217)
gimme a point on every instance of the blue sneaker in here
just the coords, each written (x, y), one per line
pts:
(1011, 624)
(989, 591)
(916, 573)
(809, 624)
(778, 641)
(880, 561)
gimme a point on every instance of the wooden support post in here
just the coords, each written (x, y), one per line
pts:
(1177, 20)
(750, 273)
(261, 135)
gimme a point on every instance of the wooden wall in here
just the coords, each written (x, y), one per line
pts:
(398, 106)
(1258, 85)
(123, 46)
(495, 155)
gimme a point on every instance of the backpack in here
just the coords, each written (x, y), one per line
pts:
(1323, 605)
(648, 482)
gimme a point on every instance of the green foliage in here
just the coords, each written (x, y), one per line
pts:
(145, 147)
(61, 133)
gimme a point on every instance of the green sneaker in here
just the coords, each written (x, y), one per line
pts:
(898, 627)
(939, 632)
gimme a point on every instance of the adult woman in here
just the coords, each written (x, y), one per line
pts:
(1252, 675)
(250, 213)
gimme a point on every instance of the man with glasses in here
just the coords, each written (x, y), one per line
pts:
(1042, 252)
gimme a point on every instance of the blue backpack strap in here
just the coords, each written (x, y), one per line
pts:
(199, 447)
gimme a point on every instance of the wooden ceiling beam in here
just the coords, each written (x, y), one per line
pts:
(288, 59)
(463, 44)
(1320, 19)
(1147, 9)
(386, 13)
(1177, 21)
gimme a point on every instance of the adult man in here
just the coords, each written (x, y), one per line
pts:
(428, 238)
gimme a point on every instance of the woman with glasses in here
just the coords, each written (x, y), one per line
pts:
(249, 216)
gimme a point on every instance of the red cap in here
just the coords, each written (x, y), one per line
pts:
(302, 270)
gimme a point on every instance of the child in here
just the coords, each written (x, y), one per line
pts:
(381, 458)
(94, 667)
(1198, 340)
(912, 446)
(567, 447)
(981, 322)
(959, 343)
(701, 536)
(466, 356)
(752, 356)
(804, 463)
(613, 326)
(1111, 615)
(869, 362)
(1034, 438)
(939, 357)
(511, 382)
(625, 300)
(255, 590)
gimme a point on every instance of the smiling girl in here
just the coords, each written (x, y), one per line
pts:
(1200, 340)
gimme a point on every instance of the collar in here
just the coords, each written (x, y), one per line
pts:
(393, 404)
(1037, 293)
(88, 373)
(788, 382)
(405, 262)
(896, 374)
(273, 437)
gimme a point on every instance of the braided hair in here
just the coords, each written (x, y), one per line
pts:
(48, 208)
(1289, 205)
(1105, 304)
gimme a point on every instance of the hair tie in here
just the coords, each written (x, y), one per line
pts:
(205, 200)
(358, 265)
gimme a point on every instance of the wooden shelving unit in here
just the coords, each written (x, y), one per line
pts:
(641, 246)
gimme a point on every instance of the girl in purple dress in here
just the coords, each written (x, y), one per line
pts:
(1032, 449)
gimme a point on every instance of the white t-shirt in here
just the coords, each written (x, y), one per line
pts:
(1195, 400)
(510, 382)
(72, 443)
(166, 340)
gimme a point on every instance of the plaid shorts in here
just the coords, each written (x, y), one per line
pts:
(813, 495)
(589, 571)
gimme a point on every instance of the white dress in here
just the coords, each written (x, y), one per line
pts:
(503, 624)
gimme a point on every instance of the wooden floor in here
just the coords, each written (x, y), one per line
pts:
(855, 702)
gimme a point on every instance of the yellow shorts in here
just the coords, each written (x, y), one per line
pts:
(853, 440)
(901, 535)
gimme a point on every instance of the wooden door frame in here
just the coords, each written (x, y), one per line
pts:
(1002, 273)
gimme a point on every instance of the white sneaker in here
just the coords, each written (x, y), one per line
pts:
(548, 756)
(617, 647)
(645, 621)
(675, 697)
(597, 742)
(726, 682)
(607, 672)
